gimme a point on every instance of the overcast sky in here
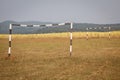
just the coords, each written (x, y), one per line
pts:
(83, 11)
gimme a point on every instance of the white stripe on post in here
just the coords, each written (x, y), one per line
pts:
(36, 25)
(9, 50)
(23, 25)
(10, 27)
(48, 25)
(10, 37)
(61, 24)
(71, 26)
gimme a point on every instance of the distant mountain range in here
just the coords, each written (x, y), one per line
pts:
(4, 27)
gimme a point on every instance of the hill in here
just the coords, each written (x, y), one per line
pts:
(4, 27)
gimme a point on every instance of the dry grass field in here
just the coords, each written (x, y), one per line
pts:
(46, 57)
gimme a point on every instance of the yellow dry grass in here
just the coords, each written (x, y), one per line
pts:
(46, 57)
(113, 34)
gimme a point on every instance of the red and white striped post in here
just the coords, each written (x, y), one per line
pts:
(71, 27)
(10, 40)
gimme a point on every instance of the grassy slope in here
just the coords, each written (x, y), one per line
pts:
(48, 59)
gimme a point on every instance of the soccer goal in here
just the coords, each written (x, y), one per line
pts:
(106, 29)
(46, 25)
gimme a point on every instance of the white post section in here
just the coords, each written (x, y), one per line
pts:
(71, 27)
(9, 51)
(10, 27)
(10, 39)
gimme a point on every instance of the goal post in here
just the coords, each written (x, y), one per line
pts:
(10, 39)
(45, 25)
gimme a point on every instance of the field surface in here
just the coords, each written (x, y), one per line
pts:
(47, 58)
